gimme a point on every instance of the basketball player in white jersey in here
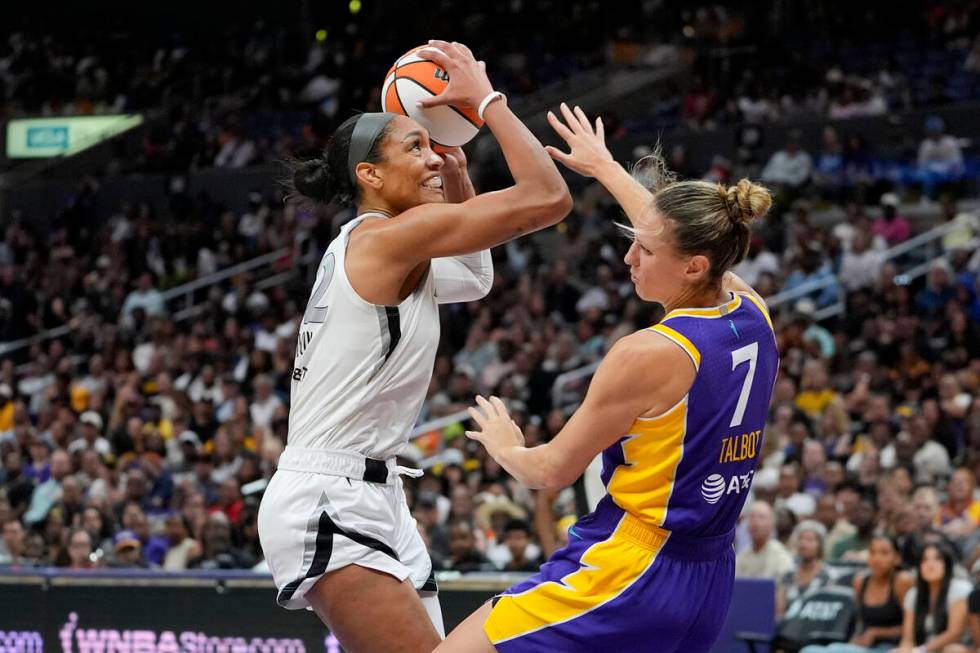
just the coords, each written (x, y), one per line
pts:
(334, 523)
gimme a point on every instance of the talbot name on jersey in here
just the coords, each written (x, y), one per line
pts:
(739, 447)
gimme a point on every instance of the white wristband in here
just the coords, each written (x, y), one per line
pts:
(491, 96)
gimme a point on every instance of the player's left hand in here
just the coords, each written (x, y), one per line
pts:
(455, 178)
(587, 142)
(455, 158)
(498, 429)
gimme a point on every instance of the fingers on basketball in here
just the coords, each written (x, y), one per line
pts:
(438, 56)
(450, 50)
(464, 50)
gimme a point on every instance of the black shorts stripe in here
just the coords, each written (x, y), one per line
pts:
(430, 583)
(326, 529)
(321, 558)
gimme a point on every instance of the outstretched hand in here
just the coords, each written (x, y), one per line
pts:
(468, 82)
(587, 143)
(498, 430)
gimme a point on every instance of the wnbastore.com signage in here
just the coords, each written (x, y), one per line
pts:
(51, 612)
(76, 638)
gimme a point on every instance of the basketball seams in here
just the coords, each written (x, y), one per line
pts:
(418, 73)
(388, 86)
(422, 67)
(421, 85)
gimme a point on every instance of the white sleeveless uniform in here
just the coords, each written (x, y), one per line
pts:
(360, 376)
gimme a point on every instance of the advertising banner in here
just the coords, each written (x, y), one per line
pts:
(54, 612)
(47, 137)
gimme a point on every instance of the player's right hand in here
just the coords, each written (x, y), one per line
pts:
(588, 144)
(468, 82)
(497, 429)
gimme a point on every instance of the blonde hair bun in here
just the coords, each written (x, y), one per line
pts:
(747, 201)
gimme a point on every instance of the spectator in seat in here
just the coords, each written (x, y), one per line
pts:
(930, 459)
(463, 554)
(47, 494)
(829, 514)
(926, 506)
(182, 546)
(789, 168)
(127, 551)
(855, 546)
(146, 297)
(757, 261)
(789, 494)
(766, 557)
(78, 552)
(263, 407)
(940, 156)
(523, 554)
(878, 595)
(890, 225)
(13, 543)
(938, 292)
(815, 391)
(807, 541)
(960, 513)
(936, 607)
(860, 266)
(218, 552)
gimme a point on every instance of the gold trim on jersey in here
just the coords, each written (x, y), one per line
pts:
(712, 312)
(652, 452)
(762, 309)
(681, 341)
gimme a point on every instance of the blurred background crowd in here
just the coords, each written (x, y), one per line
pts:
(139, 428)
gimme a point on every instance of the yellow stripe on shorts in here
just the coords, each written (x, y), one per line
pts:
(607, 569)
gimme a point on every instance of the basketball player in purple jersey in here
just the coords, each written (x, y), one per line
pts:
(677, 411)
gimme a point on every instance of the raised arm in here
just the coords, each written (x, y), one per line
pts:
(590, 157)
(539, 197)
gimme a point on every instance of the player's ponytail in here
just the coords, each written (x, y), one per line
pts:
(326, 179)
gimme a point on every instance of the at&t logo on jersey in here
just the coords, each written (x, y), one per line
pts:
(716, 486)
(712, 488)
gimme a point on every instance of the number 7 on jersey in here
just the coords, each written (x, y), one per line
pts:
(748, 353)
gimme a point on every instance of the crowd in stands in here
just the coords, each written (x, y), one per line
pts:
(761, 66)
(143, 436)
(278, 85)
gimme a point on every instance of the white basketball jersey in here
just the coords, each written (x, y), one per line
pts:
(362, 370)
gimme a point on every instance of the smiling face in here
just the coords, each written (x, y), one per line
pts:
(658, 271)
(408, 174)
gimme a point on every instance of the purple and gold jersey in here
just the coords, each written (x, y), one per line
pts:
(652, 568)
(689, 470)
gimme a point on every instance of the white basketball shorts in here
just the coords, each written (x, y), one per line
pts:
(314, 522)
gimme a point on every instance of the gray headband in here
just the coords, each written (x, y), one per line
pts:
(366, 130)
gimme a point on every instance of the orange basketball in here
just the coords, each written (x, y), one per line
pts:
(413, 78)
